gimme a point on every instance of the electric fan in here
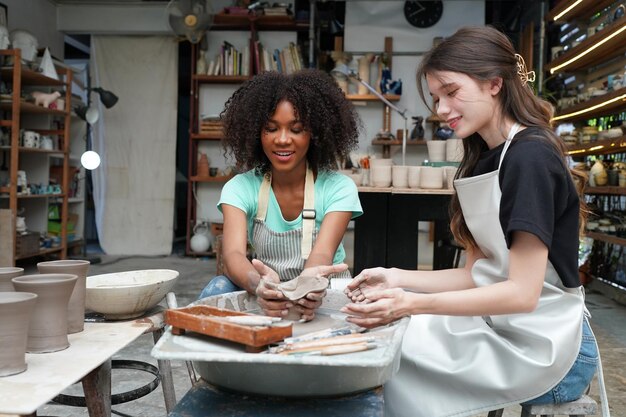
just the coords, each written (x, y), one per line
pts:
(190, 19)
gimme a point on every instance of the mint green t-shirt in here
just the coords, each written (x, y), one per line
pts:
(333, 192)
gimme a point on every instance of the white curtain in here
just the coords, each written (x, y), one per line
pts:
(136, 140)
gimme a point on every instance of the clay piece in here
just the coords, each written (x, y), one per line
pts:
(76, 306)
(298, 288)
(16, 309)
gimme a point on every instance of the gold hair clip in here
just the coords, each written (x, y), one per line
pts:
(524, 75)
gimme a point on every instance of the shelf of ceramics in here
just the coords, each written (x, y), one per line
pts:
(30, 77)
(607, 238)
(398, 142)
(220, 178)
(273, 23)
(31, 108)
(372, 97)
(21, 196)
(220, 79)
(601, 47)
(392, 190)
(599, 147)
(39, 150)
(567, 11)
(41, 252)
(606, 190)
(611, 102)
(207, 136)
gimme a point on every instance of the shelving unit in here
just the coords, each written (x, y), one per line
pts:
(590, 62)
(19, 114)
(252, 25)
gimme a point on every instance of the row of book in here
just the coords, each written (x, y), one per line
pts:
(230, 61)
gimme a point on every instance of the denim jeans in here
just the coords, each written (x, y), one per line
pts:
(220, 284)
(574, 384)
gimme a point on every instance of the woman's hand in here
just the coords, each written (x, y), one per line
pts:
(382, 307)
(269, 297)
(313, 300)
(375, 279)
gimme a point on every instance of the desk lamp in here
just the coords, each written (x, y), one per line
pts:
(342, 71)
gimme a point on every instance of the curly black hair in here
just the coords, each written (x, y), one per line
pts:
(319, 104)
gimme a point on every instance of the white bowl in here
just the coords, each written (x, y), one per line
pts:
(124, 295)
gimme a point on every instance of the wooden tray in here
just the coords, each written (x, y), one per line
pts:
(199, 319)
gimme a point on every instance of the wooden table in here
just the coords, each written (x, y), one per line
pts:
(88, 359)
(386, 234)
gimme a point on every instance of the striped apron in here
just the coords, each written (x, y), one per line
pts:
(287, 252)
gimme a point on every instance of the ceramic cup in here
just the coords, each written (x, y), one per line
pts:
(76, 305)
(380, 176)
(30, 139)
(400, 176)
(16, 309)
(414, 177)
(436, 150)
(449, 173)
(47, 331)
(377, 162)
(431, 177)
(454, 150)
(6, 274)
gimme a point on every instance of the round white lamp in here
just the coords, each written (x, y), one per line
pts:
(90, 160)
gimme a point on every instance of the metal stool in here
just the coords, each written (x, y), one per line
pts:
(584, 406)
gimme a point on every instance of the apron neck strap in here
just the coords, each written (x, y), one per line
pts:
(512, 132)
(308, 210)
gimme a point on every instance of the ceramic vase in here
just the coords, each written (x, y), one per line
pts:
(16, 309)
(48, 324)
(414, 177)
(6, 274)
(400, 176)
(436, 150)
(597, 168)
(76, 306)
(203, 165)
(431, 177)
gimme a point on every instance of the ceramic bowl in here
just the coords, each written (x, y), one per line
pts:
(129, 294)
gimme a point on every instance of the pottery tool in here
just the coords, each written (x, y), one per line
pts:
(323, 343)
(251, 320)
(337, 350)
(324, 333)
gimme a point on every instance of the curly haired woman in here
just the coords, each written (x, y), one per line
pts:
(287, 131)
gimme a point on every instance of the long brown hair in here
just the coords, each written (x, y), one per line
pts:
(484, 53)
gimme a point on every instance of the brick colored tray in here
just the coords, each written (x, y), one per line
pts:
(201, 319)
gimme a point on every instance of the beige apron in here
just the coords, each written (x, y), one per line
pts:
(287, 252)
(461, 366)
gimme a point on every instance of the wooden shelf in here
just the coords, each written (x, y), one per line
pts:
(274, 23)
(607, 238)
(41, 196)
(608, 103)
(398, 142)
(599, 147)
(602, 46)
(583, 10)
(221, 178)
(39, 150)
(26, 107)
(606, 190)
(372, 97)
(220, 79)
(30, 77)
(206, 136)
(41, 252)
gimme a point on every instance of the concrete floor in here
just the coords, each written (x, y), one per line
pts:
(608, 323)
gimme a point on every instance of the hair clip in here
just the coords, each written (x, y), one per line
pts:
(524, 75)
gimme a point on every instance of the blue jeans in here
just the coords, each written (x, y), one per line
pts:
(574, 384)
(220, 284)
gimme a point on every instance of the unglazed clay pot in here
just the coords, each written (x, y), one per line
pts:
(76, 306)
(16, 309)
(48, 324)
(6, 273)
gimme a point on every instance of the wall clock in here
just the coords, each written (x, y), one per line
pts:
(423, 14)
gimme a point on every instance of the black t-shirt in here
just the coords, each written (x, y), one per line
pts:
(538, 197)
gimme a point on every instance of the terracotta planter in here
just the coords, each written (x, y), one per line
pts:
(48, 324)
(76, 306)
(6, 274)
(16, 309)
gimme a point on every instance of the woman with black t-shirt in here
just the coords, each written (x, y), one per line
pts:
(510, 326)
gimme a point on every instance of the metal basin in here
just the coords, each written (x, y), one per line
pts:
(227, 365)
